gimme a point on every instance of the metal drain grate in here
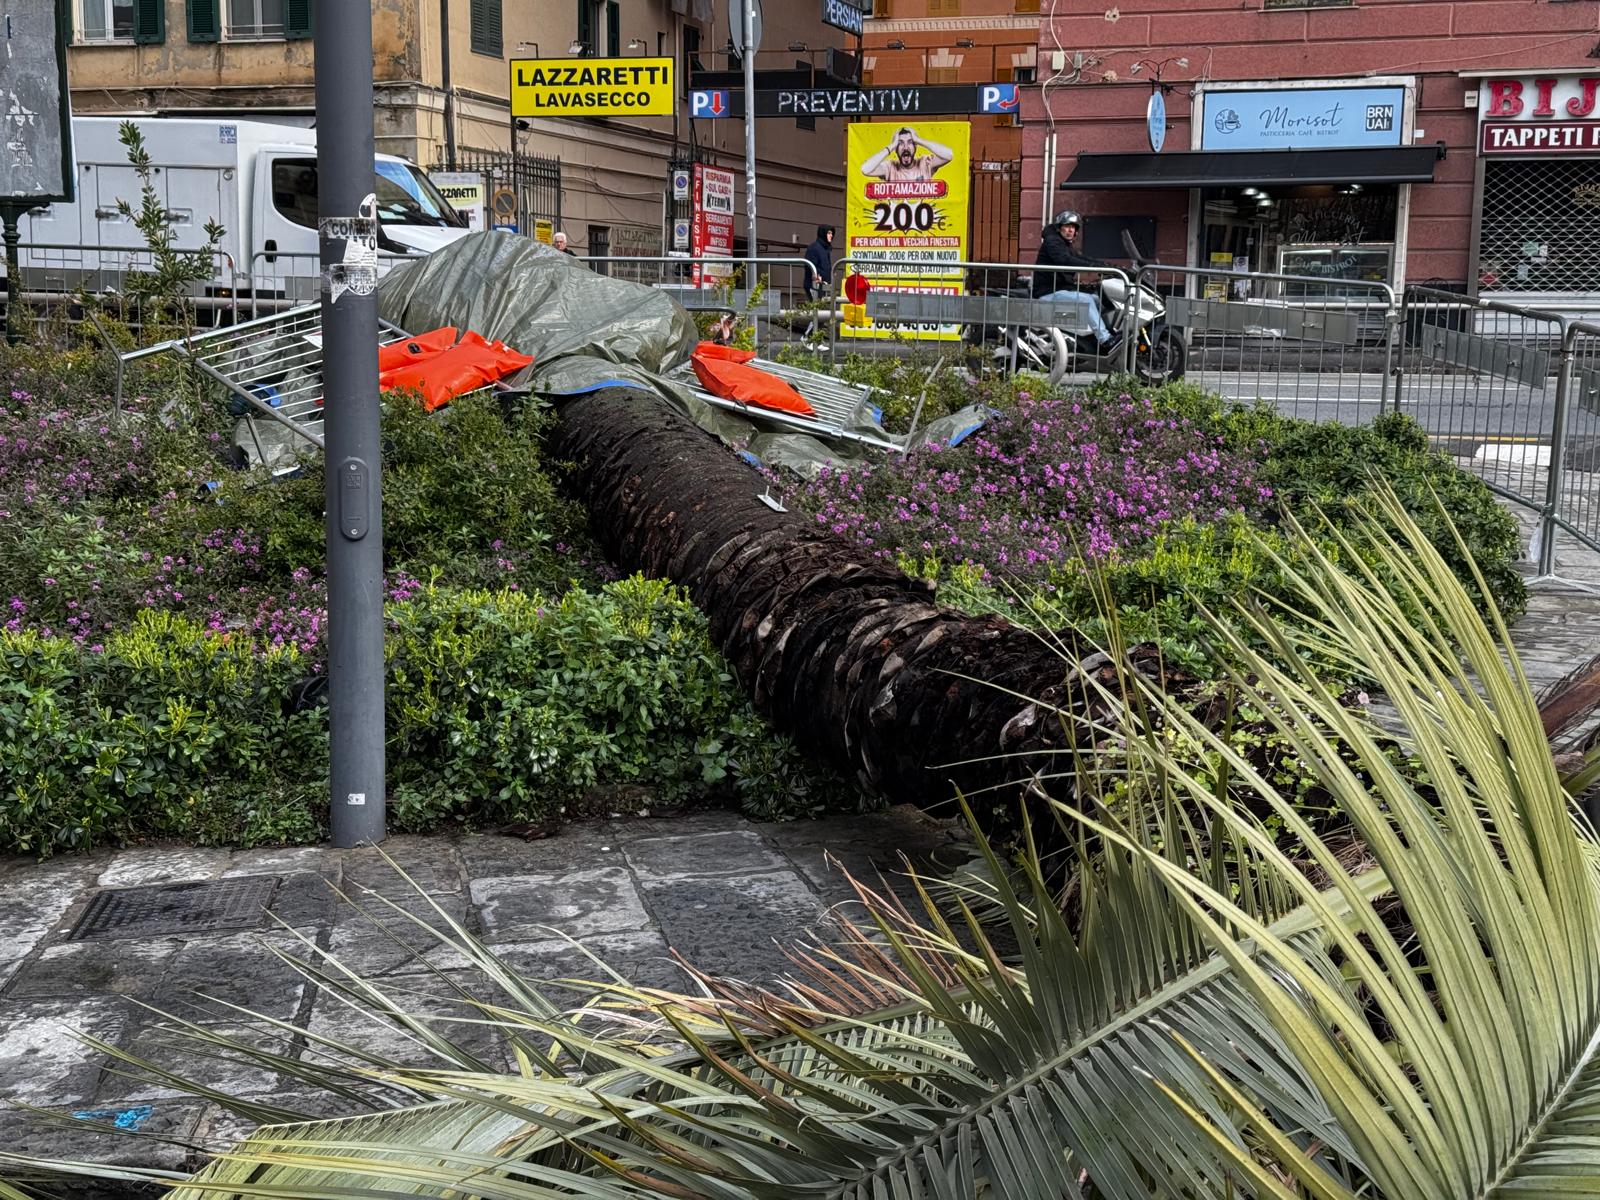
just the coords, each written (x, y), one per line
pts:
(208, 907)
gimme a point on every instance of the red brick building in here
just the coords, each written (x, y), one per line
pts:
(1454, 142)
(965, 41)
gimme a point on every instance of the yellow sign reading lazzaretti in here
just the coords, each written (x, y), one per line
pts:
(591, 87)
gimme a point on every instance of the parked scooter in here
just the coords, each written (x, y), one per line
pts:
(1159, 352)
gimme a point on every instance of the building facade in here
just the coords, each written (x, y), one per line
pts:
(909, 42)
(1446, 142)
(442, 82)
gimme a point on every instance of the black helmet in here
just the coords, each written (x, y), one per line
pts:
(1066, 217)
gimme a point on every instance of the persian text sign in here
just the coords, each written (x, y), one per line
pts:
(906, 211)
(1302, 118)
(592, 87)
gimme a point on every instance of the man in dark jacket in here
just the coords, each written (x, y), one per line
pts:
(819, 258)
(1056, 249)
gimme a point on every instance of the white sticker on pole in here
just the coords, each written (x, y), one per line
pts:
(358, 799)
(357, 273)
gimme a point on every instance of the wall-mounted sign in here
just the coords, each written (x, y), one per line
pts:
(1548, 113)
(592, 87)
(544, 231)
(504, 203)
(1155, 120)
(467, 194)
(1329, 118)
(842, 15)
(711, 234)
(933, 100)
(680, 235)
(680, 185)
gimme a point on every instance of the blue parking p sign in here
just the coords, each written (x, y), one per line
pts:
(998, 98)
(710, 104)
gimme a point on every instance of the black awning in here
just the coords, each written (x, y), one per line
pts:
(1210, 168)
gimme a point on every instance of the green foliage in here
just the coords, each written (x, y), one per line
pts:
(164, 286)
(502, 706)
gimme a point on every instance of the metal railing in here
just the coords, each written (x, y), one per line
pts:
(279, 281)
(985, 313)
(55, 275)
(768, 293)
(1309, 346)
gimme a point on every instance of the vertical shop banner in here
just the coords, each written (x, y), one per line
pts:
(907, 193)
(711, 233)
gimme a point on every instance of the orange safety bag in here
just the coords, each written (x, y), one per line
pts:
(750, 385)
(726, 353)
(469, 365)
(413, 350)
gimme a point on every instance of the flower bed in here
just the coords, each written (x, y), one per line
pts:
(1059, 478)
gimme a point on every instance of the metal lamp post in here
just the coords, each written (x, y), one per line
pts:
(348, 228)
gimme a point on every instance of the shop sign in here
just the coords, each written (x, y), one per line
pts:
(467, 193)
(1333, 118)
(907, 195)
(635, 241)
(842, 15)
(1155, 120)
(592, 87)
(997, 99)
(711, 233)
(1539, 114)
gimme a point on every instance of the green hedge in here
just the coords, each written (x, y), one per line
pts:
(502, 707)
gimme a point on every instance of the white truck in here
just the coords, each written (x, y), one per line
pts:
(258, 180)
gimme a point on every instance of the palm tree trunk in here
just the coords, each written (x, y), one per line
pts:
(841, 650)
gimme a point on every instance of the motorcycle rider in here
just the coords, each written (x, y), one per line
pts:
(1056, 249)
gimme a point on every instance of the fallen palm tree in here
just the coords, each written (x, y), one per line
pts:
(837, 647)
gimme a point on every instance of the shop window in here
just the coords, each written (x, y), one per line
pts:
(1541, 226)
(600, 247)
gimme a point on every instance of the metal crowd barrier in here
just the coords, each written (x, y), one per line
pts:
(768, 293)
(1482, 377)
(278, 282)
(1312, 347)
(55, 275)
(984, 312)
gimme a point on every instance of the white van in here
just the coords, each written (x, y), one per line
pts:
(258, 180)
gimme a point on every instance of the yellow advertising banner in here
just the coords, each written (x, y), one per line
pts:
(592, 87)
(907, 191)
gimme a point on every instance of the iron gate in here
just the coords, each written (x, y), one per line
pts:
(536, 180)
(996, 211)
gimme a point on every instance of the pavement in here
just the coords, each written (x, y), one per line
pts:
(86, 942)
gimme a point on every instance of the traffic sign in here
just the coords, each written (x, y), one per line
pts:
(711, 104)
(842, 15)
(998, 98)
(504, 203)
(736, 25)
(680, 185)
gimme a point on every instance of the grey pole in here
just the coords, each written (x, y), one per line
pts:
(348, 225)
(750, 127)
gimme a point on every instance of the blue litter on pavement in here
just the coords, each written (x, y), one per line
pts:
(751, 459)
(964, 434)
(123, 1118)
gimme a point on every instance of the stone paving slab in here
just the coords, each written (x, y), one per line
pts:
(716, 888)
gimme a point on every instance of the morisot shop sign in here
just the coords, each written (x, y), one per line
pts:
(1547, 113)
(1302, 118)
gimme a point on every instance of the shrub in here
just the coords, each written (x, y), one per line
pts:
(502, 706)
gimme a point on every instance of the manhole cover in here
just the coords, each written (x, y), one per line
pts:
(213, 905)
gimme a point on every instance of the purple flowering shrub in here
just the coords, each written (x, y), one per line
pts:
(1057, 479)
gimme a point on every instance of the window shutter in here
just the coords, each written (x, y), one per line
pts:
(496, 29)
(298, 16)
(205, 20)
(149, 22)
(586, 24)
(882, 8)
(613, 29)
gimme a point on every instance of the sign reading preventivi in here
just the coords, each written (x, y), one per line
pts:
(1333, 118)
(591, 87)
